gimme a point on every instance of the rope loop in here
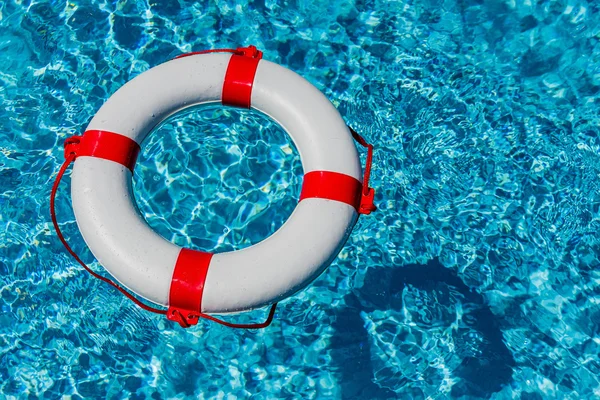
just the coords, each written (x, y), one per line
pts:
(191, 317)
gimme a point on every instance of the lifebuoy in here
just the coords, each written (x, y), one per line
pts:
(189, 281)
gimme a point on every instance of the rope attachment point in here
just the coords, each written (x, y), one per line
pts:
(184, 318)
(72, 146)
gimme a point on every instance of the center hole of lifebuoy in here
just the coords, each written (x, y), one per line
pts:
(217, 179)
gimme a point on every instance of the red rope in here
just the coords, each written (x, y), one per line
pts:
(244, 326)
(369, 161)
(368, 194)
(70, 153)
(59, 177)
(71, 144)
(205, 52)
(250, 51)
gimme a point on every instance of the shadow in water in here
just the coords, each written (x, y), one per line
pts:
(351, 351)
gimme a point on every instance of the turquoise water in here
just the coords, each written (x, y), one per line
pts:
(475, 279)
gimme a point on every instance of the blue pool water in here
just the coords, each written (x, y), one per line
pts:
(477, 277)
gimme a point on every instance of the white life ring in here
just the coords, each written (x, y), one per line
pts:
(188, 280)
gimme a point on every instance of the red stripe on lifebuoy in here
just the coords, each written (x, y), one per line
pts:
(237, 88)
(332, 186)
(187, 284)
(109, 146)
